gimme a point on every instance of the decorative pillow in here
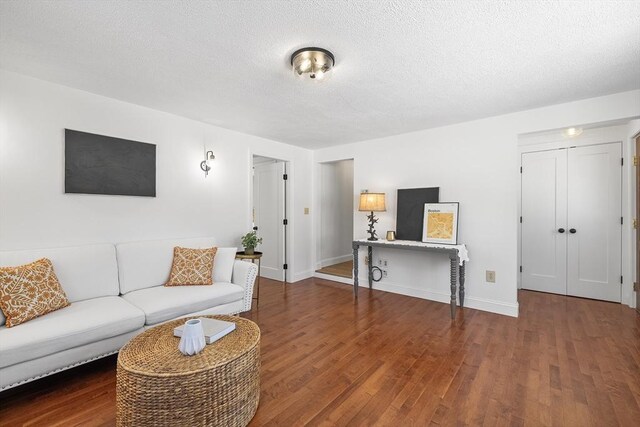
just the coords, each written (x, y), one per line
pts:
(29, 291)
(192, 267)
(223, 264)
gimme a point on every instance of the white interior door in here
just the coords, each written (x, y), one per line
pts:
(594, 213)
(544, 221)
(269, 213)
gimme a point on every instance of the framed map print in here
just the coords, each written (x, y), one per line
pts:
(440, 223)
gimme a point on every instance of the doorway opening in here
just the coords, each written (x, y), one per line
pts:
(336, 219)
(269, 215)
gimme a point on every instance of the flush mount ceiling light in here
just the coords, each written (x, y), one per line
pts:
(312, 62)
(572, 132)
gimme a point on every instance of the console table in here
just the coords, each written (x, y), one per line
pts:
(458, 255)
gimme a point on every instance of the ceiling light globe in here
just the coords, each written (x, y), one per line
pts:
(305, 65)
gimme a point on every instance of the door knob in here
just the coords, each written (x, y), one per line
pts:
(560, 230)
(572, 230)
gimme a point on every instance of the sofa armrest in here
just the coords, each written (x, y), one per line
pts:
(244, 275)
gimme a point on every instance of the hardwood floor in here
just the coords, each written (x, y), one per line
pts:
(343, 269)
(392, 360)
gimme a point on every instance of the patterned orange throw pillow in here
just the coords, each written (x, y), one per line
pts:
(192, 267)
(29, 291)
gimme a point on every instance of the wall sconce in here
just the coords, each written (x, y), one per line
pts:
(204, 165)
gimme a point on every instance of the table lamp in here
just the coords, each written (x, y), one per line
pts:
(372, 202)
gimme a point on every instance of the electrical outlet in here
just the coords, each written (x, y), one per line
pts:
(384, 273)
(491, 276)
(380, 262)
(306, 211)
(385, 262)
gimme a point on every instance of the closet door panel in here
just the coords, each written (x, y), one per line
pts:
(594, 212)
(544, 210)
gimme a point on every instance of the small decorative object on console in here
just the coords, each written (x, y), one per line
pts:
(192, 341)
(391, 236)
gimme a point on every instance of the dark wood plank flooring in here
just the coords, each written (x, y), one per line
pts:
(392, 360)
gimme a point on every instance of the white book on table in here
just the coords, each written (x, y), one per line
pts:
(213, 329)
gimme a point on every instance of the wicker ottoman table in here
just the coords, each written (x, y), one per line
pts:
(159, 386)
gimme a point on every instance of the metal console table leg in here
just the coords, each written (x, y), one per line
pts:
(369, 263)
(454, 270)
(355, 270)
(461, 290)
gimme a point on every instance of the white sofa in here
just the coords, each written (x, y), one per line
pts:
(115, 292)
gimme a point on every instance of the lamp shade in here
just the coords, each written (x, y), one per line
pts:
(372, 202)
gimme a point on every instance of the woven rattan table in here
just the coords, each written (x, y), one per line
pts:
(159, 386)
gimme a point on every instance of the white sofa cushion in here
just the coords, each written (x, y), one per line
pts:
(147, 264)
(19, 373)
(223, 264)
(163, 303)
(83, 271)
(80, 323)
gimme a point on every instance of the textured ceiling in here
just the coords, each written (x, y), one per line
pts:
(400, 65)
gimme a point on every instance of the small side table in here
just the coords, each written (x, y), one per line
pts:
(253, 257)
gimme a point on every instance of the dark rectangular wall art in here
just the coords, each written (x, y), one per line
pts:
(410, 211)
(98, 164)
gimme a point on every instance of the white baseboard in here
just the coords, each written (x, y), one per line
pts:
(301, 275)
(335, 260)
(271, 273)
(491, 306)
(483, 304)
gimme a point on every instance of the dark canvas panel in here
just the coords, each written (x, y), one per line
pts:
(98, 164)
(410, 212)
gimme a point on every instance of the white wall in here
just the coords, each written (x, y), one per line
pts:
(477, 164)
(336, 212)
(35, 212)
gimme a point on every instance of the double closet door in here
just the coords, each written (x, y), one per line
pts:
(572, 221)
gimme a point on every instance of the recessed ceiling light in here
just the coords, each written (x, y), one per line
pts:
(312, 62)
(572, 132)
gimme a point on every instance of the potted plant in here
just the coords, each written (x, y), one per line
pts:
(250, 241)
